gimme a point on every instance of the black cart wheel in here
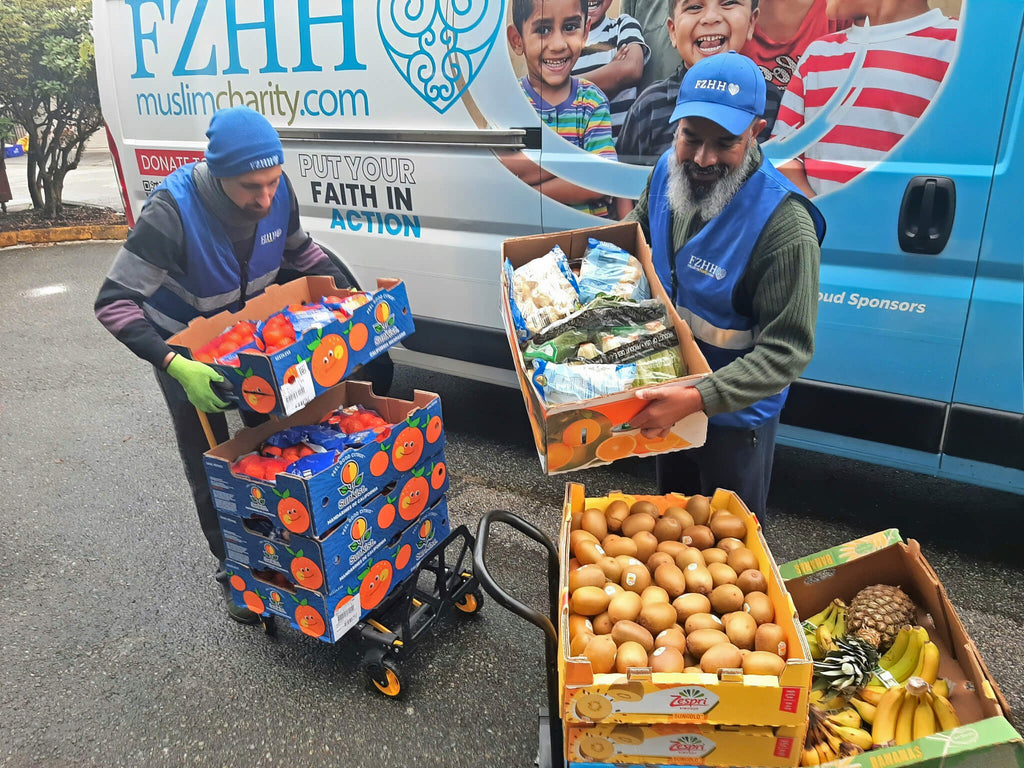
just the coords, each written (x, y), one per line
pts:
(470, 602)
(383, 675)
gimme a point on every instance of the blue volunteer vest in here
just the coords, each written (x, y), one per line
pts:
(212, 280)
(709, 267)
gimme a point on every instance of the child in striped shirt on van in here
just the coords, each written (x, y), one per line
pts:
(549, 35)
(909, 49)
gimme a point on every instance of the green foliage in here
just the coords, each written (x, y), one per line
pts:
(48, 86)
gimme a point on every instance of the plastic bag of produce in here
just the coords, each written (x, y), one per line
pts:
(540, 292)
(608, 269)
(570, 382)
(606, 312)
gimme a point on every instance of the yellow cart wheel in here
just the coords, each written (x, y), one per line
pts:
(470, 602)
(384, 678)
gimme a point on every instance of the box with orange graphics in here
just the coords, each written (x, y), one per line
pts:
(365, 587)
(282, 382)
(642, 696)
(313, 505)
(260, 542)
(596, 431)
(684, 744)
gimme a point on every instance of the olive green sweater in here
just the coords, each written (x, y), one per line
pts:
(779, 290)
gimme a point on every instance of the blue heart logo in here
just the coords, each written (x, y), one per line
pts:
(439, 54)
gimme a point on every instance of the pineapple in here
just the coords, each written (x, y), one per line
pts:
(873, 620)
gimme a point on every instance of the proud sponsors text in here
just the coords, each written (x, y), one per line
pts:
(859, 301)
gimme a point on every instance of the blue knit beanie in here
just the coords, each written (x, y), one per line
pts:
(241, 140)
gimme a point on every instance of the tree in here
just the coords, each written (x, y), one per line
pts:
(48, 86)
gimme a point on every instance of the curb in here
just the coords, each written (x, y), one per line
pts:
(64, 234)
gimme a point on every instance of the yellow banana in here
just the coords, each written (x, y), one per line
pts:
(944, 713)
(865, 710)
(825, 753)
(941, 687)
(823, 636)
(845, 717)
(925, 720)
(815, 696)
(856, 736)
(928, 668)
(872, 694)
(812, 643)
(904, 667)
(839, 630)
(883, 730)
(898, 648)
(821, 615)
(809, 756)
(905, 719)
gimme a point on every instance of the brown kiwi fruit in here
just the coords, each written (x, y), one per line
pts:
(611, 568)
(699, 641)
(721, 656)
(594, 522)
(646, 544)
(578, 643)
(625, 561)
(602, 623)
(630, 654)
(685, 518)
(673, 636)
(654, 594)
(588, 553)
(612, 589)
(656, 616)
(575, 537)
(714, 555)
(635, 578)
(616, 545)
(699, 508)
(615, 513)
(741, 629)
(588, 601)
(586, 576)
(703, 621)
(729, 544)
(698, 579)
(671, 579)
(636, 522)
(630, 631)
(575, 521)
(645, 508)
(722, 574)
(667, 528)
(659, 558)
(699, 536)
(625, 606)
(579, 625)
(666, 659)
(689, 555)
(726, 525)
(741, 559)
(763, 663)
(771, 638)
(752, 580)
(726, 598)
(690, 603)
(758, 605)
(600, 651)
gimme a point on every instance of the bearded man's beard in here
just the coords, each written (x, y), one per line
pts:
(707, 198)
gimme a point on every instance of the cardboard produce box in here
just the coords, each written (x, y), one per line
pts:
(322, 564)
(364, 587)
(589, 433)
(985, 739)
(283, 382)
(641, 697)
(684, 744)
(314, 505)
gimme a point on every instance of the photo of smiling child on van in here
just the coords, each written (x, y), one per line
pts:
(909, 49)
(613, 58)
(549, 35)
(698, 29)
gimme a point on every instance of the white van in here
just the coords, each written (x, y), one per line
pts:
(395, 117)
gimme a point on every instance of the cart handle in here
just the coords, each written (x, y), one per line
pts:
(500, 595)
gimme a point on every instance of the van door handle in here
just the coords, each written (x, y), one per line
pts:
(926, 214)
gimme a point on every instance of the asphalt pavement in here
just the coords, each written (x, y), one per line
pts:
(117, 652)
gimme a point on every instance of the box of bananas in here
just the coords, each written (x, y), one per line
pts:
(897, 680)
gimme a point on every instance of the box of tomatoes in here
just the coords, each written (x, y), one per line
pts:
(323, 563)
(315, 493)
(296, 341)
(364, 587)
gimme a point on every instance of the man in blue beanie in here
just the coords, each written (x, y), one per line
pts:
(736, 247)
(212, 235)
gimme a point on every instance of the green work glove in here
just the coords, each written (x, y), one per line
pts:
(196, 379)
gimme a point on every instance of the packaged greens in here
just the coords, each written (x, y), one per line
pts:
(558, 349)
(606, 312)
(540, 292)
(608, 269)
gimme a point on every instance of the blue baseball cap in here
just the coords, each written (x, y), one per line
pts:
(727, 88)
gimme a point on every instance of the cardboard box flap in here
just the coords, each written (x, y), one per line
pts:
(844, 553)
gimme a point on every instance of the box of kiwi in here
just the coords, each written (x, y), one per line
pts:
(890, 646)
(672, 610)
(682, 744)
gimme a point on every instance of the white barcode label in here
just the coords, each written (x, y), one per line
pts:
(887, 679)
(296, 394)
(346, 616)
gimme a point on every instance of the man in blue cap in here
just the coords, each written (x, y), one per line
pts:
(212, 235)
(736, 247)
